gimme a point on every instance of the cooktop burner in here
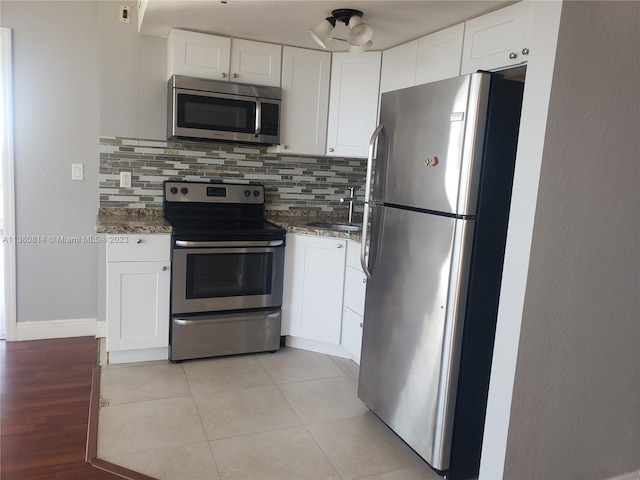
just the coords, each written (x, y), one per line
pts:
(218, 211)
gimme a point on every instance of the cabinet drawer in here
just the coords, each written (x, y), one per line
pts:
(355, 287)
(138, 248)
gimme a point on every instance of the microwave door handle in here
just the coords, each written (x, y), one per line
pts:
(258, 116)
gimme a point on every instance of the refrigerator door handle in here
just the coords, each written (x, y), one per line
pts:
(367, 200)
(372, 147)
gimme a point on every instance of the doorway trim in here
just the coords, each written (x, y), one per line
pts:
(8, 190)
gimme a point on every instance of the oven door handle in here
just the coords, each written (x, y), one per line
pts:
(234, 317)
(190, 244)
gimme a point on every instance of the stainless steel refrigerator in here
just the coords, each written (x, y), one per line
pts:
(436, 212)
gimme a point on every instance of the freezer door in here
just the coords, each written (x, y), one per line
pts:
(433, 144)
(414, 310)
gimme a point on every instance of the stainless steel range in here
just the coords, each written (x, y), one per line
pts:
(227, 270)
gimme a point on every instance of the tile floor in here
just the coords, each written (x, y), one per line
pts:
(289, 415)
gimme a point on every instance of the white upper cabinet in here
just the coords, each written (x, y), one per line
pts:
(439, 55)
(399, 67)
(498, 39)
(353, 103)
(305, 101)
(433, 57)
(255, 62)
(198, 55)
(220, 58)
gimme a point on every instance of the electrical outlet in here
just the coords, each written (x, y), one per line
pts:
(125, 179)
(125, 14)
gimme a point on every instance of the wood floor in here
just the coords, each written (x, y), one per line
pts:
(44, 409)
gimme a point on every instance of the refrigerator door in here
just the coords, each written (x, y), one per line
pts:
(414, 311)
(433, 144)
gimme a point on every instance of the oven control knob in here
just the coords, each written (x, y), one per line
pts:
(256, 193)
(184, 190)
(174, 190)
(247, 193)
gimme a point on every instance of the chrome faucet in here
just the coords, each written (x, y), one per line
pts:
(351, 198)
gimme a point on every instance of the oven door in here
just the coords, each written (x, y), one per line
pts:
(223, 276)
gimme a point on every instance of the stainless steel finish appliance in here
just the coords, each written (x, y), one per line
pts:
(438, 208)
(227, 270)
(218, 110)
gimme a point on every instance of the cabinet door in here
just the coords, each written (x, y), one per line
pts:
(355, 287)
(353, 103)
(352, 333)
(198, 55)
(305, 101)
(255, 62)
(318, 282)
(495, 40)
(137, 305)
(439, 55)
(399, 67)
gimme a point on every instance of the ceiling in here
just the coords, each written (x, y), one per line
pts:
(287, 22)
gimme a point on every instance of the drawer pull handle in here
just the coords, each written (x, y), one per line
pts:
(164, 268)
(139, 240)
(364, 280)
(360, 324)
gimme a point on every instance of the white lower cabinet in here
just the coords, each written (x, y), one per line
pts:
(324, 295)
(315, 289)
(355, 287)
(137, 307)
(352, 324)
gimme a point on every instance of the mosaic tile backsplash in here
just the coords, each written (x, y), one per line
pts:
(291, 182)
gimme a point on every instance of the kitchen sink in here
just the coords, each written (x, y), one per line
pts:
(337, 226)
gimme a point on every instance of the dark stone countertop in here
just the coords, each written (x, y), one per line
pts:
(150, 220)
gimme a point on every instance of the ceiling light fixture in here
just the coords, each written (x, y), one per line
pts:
(358, 38)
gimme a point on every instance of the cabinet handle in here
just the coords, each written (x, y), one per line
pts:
(513, 55)
(235, 75)
(139, 240)
(364, 280)
(223, 75)
(285, 147)
(339, 245)
(360, 324)
(525, 51)
(164, 268)
(331, 149)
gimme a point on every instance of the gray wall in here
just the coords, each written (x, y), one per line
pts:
(78, 73)
(575, 411)
(133, 74)
(56, 115)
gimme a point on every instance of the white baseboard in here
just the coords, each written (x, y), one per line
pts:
(628, 476)
(318, 347)
(142, 355)
(39, 330)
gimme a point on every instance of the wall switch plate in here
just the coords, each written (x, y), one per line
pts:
(124, 14)
(125, 179)
(77, 171)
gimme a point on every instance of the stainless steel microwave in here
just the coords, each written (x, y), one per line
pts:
(223, 111)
